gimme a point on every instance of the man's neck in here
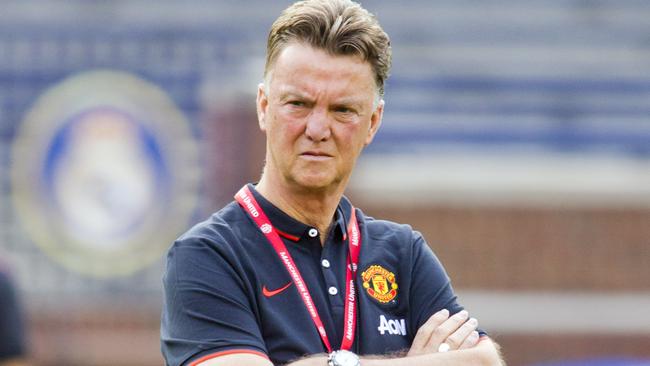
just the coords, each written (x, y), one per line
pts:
(312, 208)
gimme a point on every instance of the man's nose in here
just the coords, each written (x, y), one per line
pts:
(318, 125)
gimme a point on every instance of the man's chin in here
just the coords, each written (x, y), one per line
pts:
(316, 183)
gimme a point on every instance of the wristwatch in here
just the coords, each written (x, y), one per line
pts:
(343, 358)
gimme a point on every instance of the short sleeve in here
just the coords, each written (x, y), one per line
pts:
(207, 306)
(11, 324)
(431, 288)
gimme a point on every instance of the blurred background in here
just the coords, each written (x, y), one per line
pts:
(516, 137)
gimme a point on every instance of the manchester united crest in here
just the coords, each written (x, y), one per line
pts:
(379, 283)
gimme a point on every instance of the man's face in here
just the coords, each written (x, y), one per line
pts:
(317, 114)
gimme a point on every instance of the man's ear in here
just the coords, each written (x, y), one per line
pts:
(262, 103)
(375, 122)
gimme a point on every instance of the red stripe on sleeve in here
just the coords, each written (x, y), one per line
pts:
(225, 353)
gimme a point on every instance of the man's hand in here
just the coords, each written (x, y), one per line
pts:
(457, 332)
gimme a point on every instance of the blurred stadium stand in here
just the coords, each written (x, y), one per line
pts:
(516, 138)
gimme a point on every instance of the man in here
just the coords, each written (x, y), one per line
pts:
(291, 273)
(12, 344)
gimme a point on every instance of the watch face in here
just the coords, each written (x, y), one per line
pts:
(345, 358)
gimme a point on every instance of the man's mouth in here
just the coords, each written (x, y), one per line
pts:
(316, 155)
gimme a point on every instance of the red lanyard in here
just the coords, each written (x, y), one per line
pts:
(250, 205)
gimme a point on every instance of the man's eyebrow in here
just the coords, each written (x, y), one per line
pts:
(291, 95)
(349, 101)
(289, 92)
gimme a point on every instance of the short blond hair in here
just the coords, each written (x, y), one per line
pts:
(340, 27)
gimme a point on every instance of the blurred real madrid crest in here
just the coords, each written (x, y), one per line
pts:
(105, 173)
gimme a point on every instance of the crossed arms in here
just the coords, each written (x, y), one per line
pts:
(457, 331)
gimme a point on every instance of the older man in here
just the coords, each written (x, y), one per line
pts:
(291, 272)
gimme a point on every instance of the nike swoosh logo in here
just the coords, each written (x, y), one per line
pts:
(269, 293)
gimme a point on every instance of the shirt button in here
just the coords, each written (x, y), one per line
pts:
(313, 232)
(325, 263)
(333, 291)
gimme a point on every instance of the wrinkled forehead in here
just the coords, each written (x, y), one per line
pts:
(298, 63)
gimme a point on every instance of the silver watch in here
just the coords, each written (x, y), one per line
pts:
(343, 358)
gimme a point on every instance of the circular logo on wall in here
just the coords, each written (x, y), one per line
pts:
(105, 173)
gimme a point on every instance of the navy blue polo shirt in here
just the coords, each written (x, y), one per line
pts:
(227, 291)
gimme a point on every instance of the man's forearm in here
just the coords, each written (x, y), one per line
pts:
(485, 353)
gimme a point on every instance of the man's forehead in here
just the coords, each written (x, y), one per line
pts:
(300, 67)
(299, 55)
(297, 47)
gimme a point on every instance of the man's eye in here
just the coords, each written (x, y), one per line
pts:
(296, 103)
(344, 110)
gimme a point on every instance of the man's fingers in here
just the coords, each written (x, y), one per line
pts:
(470, 341)
(446, 329)
(457, 332)
(456, 339)
(424, 333)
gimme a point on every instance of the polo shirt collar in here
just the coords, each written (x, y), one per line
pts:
(295, 230)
